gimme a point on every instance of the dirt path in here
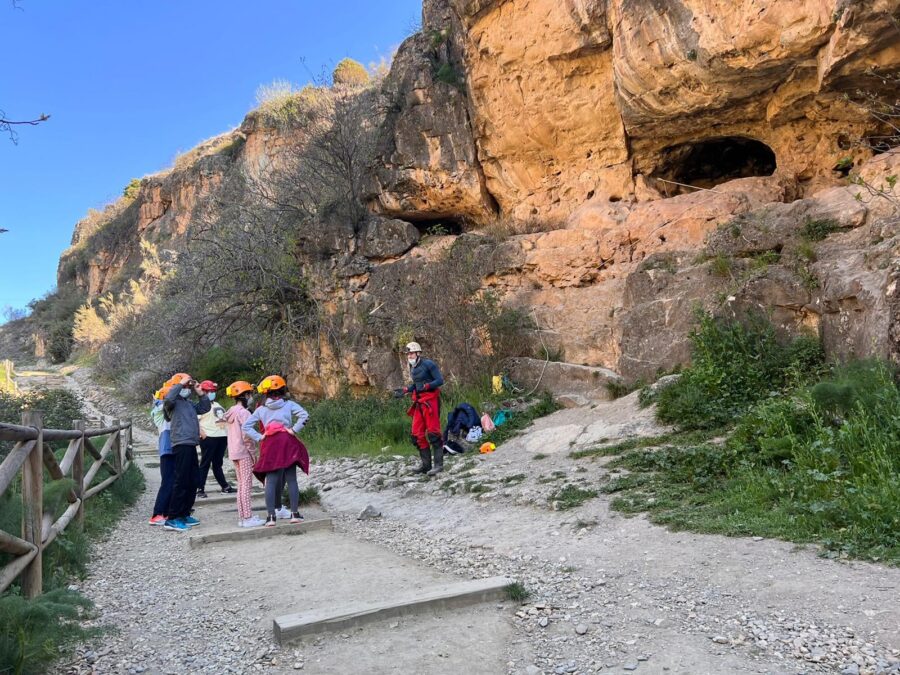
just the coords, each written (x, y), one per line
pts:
(610, 594)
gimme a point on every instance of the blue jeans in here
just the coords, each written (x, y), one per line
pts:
(167, 473)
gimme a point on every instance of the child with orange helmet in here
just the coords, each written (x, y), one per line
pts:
(241, 449)
(280, 451)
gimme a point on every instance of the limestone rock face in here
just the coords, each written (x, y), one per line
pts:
(426, 166)
(388, 238)
(568, 99)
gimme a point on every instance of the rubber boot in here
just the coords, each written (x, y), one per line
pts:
(438, 451)
(425, 456)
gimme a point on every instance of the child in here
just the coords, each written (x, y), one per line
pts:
(166, 458)
(185, 431)
(241, 450)
(280, 451)
(213, 442)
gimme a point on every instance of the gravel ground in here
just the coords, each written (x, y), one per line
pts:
(608, 594)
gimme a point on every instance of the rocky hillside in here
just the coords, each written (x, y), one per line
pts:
(556, 140)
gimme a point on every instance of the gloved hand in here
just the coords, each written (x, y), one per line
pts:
(399, 393)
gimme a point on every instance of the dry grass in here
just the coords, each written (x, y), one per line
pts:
(211, 146)
(502, 228)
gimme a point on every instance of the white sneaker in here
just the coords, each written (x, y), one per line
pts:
(283, 513)
(252, 522)
(257, 521)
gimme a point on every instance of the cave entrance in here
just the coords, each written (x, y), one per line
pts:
(711, 162)
(440, 226)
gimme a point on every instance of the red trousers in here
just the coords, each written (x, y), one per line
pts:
(426, 418)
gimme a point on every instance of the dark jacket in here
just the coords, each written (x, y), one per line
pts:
(462, 418)
(426, 376)
(182, 413)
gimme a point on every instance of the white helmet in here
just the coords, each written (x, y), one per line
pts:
(413, 347)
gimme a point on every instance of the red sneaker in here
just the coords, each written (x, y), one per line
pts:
(157, 520)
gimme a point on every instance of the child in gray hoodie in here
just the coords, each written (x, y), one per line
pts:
(181, 412)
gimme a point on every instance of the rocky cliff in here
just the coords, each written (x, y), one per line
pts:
(620, 163)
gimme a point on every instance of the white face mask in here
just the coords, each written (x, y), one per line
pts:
(211, 396)
(413, 360)
(184, 393)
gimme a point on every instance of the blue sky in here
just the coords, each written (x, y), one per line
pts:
(130, 83)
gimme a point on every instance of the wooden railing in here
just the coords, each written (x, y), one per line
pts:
(32, 453)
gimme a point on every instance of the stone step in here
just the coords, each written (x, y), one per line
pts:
(445, 597)
(218, 498)
(283, 529)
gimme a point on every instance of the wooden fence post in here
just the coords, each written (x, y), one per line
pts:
(78, 472)
(33, 504)
(117, 448)
(129, 441)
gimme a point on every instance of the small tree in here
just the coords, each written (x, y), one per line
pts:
(350, 73)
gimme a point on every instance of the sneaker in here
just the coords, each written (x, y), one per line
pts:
(296, 517)
(257, 520)
(177, 525)
(157, 520)
(202, 495)
(251, 522)
(228, 489)
(270, 521)
(283, 513)
(190, 521)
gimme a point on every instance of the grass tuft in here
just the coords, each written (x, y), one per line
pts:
(517, 592)
(571, 496)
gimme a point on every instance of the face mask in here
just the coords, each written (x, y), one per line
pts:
(211, 396)
(413, 360)
(184, 393)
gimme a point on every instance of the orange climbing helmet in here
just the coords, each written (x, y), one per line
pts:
(235, 389)
(160, 393)
(270, 383)
(176, 378)
(487, 447)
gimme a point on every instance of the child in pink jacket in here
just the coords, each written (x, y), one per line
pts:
(242, 450)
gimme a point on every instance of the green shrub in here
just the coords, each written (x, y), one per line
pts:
(132, 189)
(447, 74)
(818, 229)
(224, 366)
(32, 632)
(571, 496)
(819, 464)
(350, 73)
(733, 365)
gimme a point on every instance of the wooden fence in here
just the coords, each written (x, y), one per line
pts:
(32, 453)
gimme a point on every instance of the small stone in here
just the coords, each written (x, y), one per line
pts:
(532, 670)
(581, 629)
(298, 665)
(720, 640)
(369, 513)
(543, 622)
(852, 669)
(631, 665)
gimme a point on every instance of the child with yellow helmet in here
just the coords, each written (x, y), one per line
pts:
(166, 459)
(275, 425)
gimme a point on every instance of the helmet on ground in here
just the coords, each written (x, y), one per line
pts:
(272, 382)
(235, 389)
(208, 385)
(487, 447)
(413, 347)
(177, 378)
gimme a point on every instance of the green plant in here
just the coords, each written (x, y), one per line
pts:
(132, 189)
(32, 632)
(819, 228)
(517, 592)
(806, 251)
(570, 497)
(447, 74)
(617, 389)
(722, 266)
(733, 365)
(350, 73)
(816, 463)
(539, 456)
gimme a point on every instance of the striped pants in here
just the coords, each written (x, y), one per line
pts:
(244, 470)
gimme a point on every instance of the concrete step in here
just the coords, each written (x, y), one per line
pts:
(283, 529)
(218, 498)
(445, 597)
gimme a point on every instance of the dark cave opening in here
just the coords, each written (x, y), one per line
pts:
(712, 161)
